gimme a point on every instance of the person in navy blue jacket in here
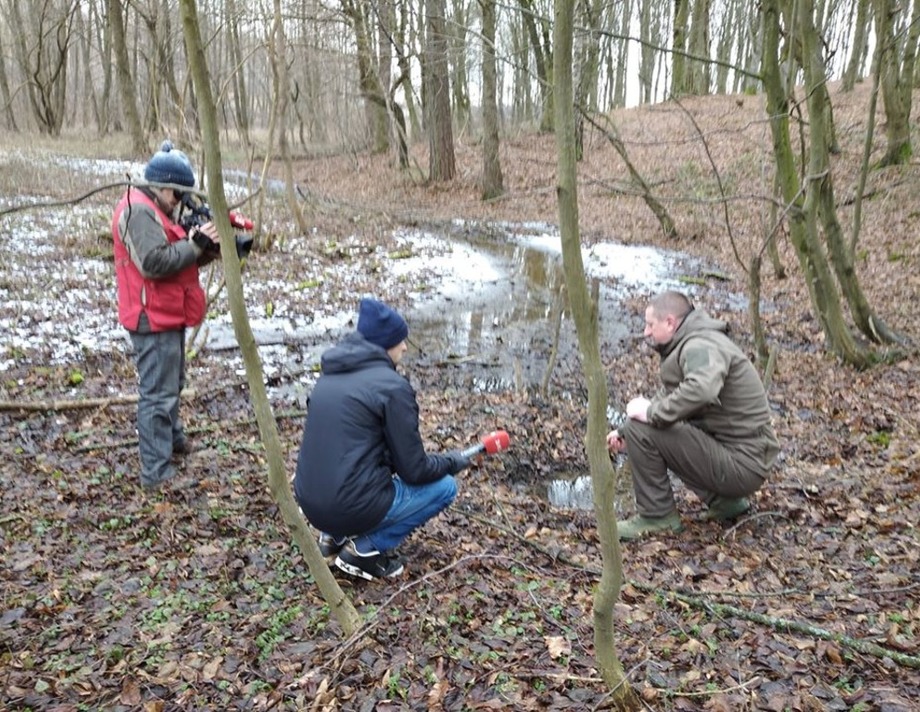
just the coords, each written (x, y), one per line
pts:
(363, 476)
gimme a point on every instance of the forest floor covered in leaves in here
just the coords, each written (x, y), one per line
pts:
(195, 598)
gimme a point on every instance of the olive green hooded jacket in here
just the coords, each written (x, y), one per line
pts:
(708, 382)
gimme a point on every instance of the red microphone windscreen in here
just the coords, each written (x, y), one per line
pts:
(240, 221)
(496, 441)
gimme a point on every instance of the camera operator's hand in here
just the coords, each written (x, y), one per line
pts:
(205, 237)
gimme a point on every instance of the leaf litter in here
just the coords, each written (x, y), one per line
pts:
(196, 599)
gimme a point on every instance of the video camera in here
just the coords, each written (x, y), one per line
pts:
(195, 213)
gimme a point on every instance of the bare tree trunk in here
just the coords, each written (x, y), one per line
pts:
(441, 162)
(584, 313)
(278, 51)
(770, 233)
(403, 37)
(731, 31)
(339, 603)
(181, 115)
(5, 94)
(679, 76)
(802, 211)
(860, 47)
(820, 188)
(375, 103)
(893, 74)
(492, 181)
(588, 69)
(543, 56)
(698, 44)
(43, 40)
(652, 63)
(240, 93)
(125, 80)
(456, 30)
(86, 104)
(521, 107)
(620, 58)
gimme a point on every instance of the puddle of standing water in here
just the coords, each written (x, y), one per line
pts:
(488, 314)
(483, 296)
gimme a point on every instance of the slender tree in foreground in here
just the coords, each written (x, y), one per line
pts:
(584, 312)
(339, 603)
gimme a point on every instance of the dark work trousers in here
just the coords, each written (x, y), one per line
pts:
(160, 361)
(708, 468)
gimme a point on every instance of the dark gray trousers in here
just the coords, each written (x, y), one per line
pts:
(707, 467)
(160, 361)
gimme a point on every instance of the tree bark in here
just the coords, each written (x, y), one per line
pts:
(860, 48)
(802, 210)
(893, 74)
(339, 603)
(5, 94)
(492, 181)
(698, 44)
(278, 51)
(125, 81)
(679, 80)
(543, 57)
(457, 29)
(441, 161)
(240, 93)
(588, 69)
(584, 313)
(375, 103)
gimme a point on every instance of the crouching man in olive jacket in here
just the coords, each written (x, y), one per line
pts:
(710, 425)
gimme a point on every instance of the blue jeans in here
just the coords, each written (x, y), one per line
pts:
(412, 506)
(160, 361)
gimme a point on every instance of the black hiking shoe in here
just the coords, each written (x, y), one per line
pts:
(369, 566)
(182, 447)
(329, 545)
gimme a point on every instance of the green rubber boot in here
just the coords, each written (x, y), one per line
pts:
(724, 508)
(638, 526)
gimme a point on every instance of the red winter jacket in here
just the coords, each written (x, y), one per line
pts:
(172, 302)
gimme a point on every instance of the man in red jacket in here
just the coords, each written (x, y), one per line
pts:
(159, 295)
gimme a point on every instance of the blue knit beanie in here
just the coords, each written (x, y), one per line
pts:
(170, 165)
(380, 324)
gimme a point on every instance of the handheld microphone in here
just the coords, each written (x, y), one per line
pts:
(494, 442)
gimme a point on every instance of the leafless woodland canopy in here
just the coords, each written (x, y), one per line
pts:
(59, 61)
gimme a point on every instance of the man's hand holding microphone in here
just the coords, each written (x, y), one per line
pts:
(494, 442)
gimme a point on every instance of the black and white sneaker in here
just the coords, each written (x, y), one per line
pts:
(329, 545)
(367, 566)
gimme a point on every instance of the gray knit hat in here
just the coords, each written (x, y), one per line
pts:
(170, 165)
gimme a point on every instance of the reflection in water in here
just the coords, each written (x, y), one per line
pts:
(571, 494)
(486, 303)
(492, 292)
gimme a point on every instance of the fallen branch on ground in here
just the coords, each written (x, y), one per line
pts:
(82, 403)
(724, 610)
